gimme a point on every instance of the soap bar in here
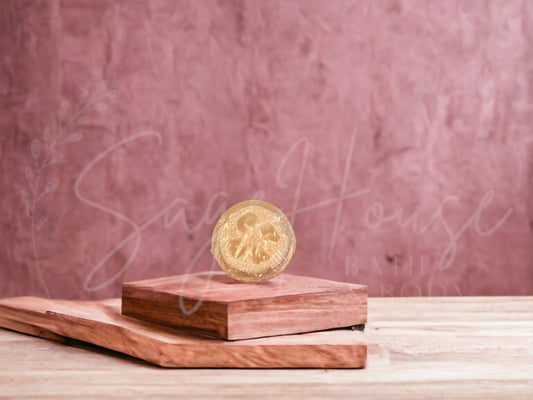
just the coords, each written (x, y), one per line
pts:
(253, 241)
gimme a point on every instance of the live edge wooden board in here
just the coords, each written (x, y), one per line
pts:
(216, 305)
(102, 323)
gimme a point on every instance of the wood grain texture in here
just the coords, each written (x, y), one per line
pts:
(102, 324)
(232, 310)
(432, 348)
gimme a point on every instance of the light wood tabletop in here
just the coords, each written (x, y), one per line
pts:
(432, 348)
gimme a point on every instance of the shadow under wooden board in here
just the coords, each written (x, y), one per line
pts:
(102, 324)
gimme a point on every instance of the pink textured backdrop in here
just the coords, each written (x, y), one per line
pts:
(345, 114)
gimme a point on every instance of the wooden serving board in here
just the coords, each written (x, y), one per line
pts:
(102, 324)
(217, 305)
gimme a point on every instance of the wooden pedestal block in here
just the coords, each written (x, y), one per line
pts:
(216, 305)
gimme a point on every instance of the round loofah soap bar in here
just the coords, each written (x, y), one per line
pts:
(253, 241)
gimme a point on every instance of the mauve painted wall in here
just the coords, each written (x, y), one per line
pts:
(342, 113)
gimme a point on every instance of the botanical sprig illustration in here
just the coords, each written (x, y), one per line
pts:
(47, 151)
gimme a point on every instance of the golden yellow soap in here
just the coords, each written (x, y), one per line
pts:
(253, 241)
